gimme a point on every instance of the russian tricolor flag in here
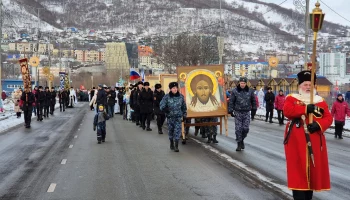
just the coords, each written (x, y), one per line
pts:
(134, 75)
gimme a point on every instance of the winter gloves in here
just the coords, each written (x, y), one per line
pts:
(233, 114)
(313, 127)
(317, 111)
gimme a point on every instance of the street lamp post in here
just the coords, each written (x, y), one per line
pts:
(316, 20)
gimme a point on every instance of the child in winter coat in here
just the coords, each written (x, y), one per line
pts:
(339, 111)
(100, 123)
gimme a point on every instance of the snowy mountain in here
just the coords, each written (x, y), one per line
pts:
(245, 23)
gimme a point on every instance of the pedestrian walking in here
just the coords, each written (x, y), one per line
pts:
(111, 101)
(339, 111)
(62, 99)
(306, 152)
(253, 111)
(279, 103)
(158, 95)
(146, 106)
(16, 96)
(242, 100)
(28, 100)
(100, 124)
(174, 106)
(270, 100)
(53, 100)
(34, 105)
(40, 99)
(47, 102)
(120, 101)
(101, 97)
(136, 106)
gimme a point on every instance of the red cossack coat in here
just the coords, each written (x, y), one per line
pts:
(301, 174)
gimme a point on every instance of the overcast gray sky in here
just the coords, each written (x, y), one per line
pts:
(340, 6)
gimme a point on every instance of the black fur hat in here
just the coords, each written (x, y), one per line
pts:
(40, 87)
(46, 88)
(157, 86)
(146, 84)
(305, 76)
(173, 84)
(138, 83)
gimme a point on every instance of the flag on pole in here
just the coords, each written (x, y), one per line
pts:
(134, 74)
(143, 75)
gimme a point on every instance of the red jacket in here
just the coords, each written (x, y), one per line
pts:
(340, 110)
(279, 102)
(257, 101)
(301, 173)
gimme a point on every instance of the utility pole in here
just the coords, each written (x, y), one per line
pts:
(306, 33)
(37, 49)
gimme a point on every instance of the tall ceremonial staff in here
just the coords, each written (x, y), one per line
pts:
(316, 20)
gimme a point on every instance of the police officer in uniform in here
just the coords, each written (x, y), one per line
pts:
(158, 95)
(136, 105)
(174, 106)
(146, 106)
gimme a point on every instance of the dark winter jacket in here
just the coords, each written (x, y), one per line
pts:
(120, 97)
(111, 97)
(28, 99)
(157, 98)
(131, 99)
(173, 105)
(92, 93)
(136, 97)
(47, 101)
(146, 101)
(40, 97)
(270, 100)
(62, 96)
(100, 120)
(279, 102)
(101, 97)
(242, 100)
(53, 97)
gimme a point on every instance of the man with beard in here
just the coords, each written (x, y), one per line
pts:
(136, 105)
(306, 153)
(242, 100)
(62, 96)
(158, 95)
(28, 100)
(53, 100)
(146, 106)
(40, 99)
(47, 102)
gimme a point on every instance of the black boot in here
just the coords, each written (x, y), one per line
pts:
(239, 146)
(242, 144)
(209, 138)
(149, 129)
(335, 135)
(196, 131)
(171, 144)
(214, 139)
(176, 146)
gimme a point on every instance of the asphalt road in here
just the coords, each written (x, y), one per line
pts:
(60, 159)
(265, 153)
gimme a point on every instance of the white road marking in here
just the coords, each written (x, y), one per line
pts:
(52, 187)
(64, 161)
(70, 146)
(76, 136)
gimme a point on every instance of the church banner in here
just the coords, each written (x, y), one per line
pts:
(62, 83)
(25, 73)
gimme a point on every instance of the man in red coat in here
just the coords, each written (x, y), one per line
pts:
(304, 173)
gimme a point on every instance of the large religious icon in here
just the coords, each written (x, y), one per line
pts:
(62, 81)
(153, 80)
(204, 90)
(165, 79)
(25, 73)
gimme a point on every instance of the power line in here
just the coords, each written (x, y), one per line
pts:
(277, 4)
(335, 11)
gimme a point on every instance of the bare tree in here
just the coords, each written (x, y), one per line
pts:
(186, 50)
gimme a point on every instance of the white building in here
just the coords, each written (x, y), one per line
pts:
(333, 67)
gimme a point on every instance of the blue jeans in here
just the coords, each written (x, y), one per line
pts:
(111, 110)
